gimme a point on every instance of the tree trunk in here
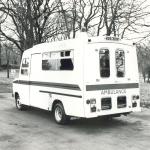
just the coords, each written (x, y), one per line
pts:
(65, 19)
(0, 50)
(7, 68)
(144, 76)
(0, 55)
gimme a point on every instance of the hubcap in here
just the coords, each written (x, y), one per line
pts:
(58, 114)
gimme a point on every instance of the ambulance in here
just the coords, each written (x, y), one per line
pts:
(86, 77)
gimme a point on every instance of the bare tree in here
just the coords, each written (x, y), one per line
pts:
(28, 20)
(8, 49)
(75, 14)
(0, 49)
(133, 18)
(110, 8)
(119, 16)
(101, 18)
(64, 14)
(88, 12)
(143, 52)
(34, 22)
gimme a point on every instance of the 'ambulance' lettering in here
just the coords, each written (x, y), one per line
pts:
(120, 91)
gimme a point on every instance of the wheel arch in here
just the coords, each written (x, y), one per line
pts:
(16, 94)
(56, 101)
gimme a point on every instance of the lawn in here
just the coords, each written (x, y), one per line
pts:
(6, 83)
(145, 94)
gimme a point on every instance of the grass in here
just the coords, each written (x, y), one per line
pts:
(6, 83)
(6, 87)
(145, 94)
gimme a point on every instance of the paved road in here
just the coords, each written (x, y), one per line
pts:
(35, 130)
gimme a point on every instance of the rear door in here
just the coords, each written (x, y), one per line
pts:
(110, 71)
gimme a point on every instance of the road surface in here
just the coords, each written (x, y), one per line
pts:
(35, 129)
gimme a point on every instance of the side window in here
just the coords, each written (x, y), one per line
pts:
(120, 63)
(66, 61)
(25, 66)
(62, 60)
(104, 63)
(45, 61)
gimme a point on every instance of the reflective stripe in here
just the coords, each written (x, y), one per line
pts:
(111, 86)
(21, 82)
(77, 96)
(49, 84)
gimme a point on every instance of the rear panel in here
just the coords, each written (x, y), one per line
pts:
(111, 79)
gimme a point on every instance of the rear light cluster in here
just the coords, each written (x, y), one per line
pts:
(134, 104)
(92, 103)
(106, 103)
(134, 98)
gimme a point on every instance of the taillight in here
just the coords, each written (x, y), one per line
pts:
(91, 101)
(134, 104)
(135, 97)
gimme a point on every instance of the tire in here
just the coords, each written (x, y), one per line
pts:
(19, 106)
(59, 114)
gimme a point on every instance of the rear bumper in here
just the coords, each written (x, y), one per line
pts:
(121, 111)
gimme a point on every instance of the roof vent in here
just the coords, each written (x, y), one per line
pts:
(83, 29)
(89, 40)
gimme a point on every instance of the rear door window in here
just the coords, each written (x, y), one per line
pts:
(104, 63)
(120, 63)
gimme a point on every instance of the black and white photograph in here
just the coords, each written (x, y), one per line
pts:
(74, 75)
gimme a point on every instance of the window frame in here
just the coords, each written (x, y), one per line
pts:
(25, 67)
(118, 49)
(60, 58)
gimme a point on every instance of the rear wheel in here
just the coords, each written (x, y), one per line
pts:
(59, 114)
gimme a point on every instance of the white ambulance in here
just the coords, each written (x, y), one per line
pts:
(83, 77)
